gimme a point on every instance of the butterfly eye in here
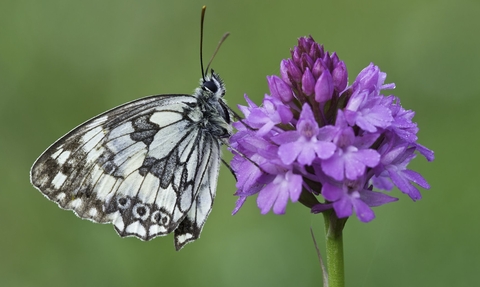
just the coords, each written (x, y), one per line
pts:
(211, 86)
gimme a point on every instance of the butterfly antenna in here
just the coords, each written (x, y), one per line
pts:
(202, 18)
(224, 37)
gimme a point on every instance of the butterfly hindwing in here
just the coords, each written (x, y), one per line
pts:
(190, 228)
(145, 166)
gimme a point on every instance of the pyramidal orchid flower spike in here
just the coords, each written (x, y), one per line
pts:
(335, 148)
(314, 134)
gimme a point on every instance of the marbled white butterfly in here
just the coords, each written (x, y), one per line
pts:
(150, 166)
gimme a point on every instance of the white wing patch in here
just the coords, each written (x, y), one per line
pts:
(62, 158)
(150, 167)
(58, 180)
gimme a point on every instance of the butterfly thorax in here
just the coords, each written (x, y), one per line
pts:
(211, 113)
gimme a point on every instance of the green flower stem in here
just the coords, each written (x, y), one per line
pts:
(334, 241)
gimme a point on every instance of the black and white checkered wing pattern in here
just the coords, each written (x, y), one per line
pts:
(146, 166)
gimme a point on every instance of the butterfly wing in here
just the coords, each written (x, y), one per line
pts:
(145, 166)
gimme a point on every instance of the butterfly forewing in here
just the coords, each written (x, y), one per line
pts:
(150, 166)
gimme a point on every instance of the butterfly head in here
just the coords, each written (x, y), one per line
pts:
(212, 86)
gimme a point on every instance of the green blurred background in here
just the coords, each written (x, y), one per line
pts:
(62, 62)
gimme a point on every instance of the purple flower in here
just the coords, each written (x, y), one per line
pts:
(316, 136)
(324, 87)
(402, 123)
(348, 196)
(396, 154)
(352, 155)
(279, 89)
(303, 144)
(265, 118)
(371, 79)
(276, 193)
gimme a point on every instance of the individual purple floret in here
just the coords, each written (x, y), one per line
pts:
(303, 144)
(323, 143)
